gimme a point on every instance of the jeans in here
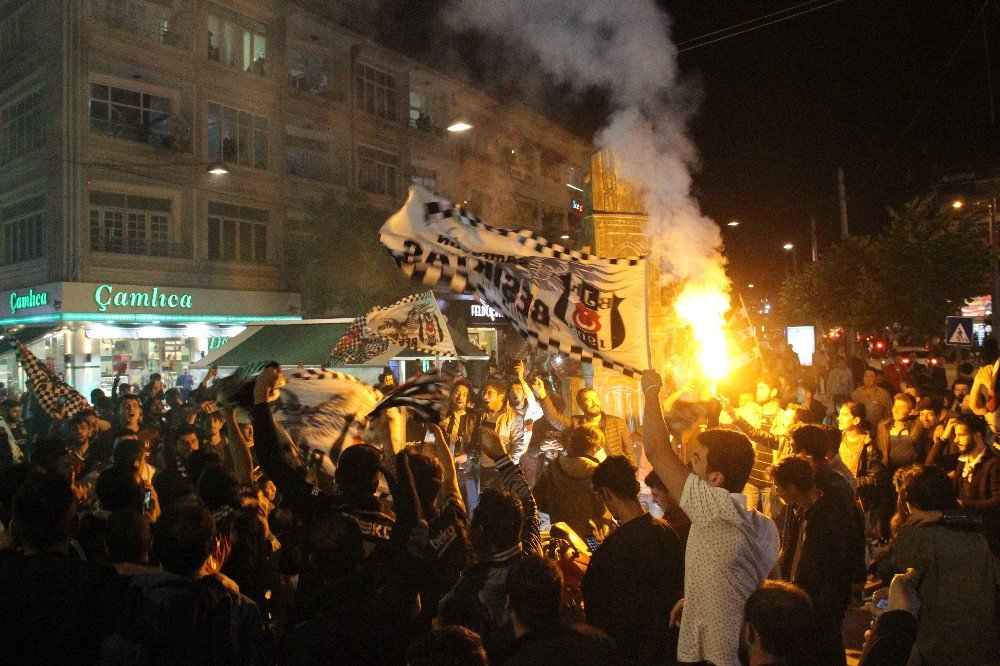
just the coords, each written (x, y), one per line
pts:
(758, 496)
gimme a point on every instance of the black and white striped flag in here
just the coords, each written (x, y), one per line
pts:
(562, 301)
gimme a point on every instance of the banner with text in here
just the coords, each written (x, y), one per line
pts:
(563, 301)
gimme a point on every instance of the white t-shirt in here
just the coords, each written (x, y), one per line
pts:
(730, 551)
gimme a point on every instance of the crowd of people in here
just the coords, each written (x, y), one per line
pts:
(736, 527)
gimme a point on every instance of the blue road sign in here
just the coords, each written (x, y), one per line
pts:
(958, 331)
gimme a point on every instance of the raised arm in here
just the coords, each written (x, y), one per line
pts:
(558, 420)
(656, 439)
(239, 449)
(440, 451)
(983, 380)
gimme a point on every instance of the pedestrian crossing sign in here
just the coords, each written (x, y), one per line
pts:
(958, 331)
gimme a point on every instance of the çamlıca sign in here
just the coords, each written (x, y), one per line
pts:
(28, 301)
(106, 295)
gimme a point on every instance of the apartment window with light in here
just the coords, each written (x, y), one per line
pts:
(375, 92)
(237, 233)
(317, 73)
(237, 41)
(22, 229)
(130, 114)
(237, 137)
(22, 126)
(422, 111)
(377, 171)
(130, 224)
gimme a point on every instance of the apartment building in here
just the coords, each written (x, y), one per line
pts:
(158, 152)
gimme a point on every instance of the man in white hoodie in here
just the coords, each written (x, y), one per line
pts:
(730, 549)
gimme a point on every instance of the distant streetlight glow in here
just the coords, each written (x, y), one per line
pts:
(565, 237)
(574, 187)
(788, 246)
(733, 223)
(750, 286)
(459, 126)
(957, 204)
(218, 168)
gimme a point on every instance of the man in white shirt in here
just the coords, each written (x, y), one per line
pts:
(730, 549)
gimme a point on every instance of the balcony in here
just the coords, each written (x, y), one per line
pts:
(169, 132)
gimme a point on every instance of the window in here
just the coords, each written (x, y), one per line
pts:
(237, 41)
(148, 18)
(422, 111)
(237, 137)
(316, 73)
(23, 229)
(131, 115)
(375, 92)
(377, 171)
(307, 158)
(130, 224)
(22, 126)
(237, 233)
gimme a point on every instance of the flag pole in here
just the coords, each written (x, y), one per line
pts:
(649, 348)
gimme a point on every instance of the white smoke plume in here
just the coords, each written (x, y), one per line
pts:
(625, 47)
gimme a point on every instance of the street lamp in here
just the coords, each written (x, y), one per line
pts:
(788, 246)
(795, 258)
(459, 126)
(750, 286)
(733, 223)
(957, 204)
(218, 168)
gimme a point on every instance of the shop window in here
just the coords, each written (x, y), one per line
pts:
(22, 126)
(130, 224)
(237, 233)
(152, 19)
(237, 41)
(308, 158)
(375, 92)
(237, 137)
(22, 224)
(377, 171)
(130, 114)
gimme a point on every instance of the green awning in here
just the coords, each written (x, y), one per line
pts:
(288, 344)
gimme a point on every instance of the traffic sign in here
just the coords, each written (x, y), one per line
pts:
(958, 331)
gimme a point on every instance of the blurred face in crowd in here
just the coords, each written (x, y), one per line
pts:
(763, 394)
(590, 404)
(80, 432)
(846, 420)
(14, 414)
(131, 411)
(869, 378)
(460, 398)
(493, 399)
(516, 394)
(215, 423)
(928, 418)
(900, 410)
(961, 390)
(247, 429)
(663, 499)
(965, 439)
(186, 445)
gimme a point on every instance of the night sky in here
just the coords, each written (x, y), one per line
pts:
(783, 106)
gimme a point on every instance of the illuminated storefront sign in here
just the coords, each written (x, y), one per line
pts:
(28, 301)
(106, 295)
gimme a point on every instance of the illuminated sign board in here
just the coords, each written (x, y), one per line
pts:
(481, 313)
(28, 301)
(106, 295)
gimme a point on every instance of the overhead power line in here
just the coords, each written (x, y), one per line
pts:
(754, 24)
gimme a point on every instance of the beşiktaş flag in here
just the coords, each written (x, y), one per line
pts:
(562, 301)
(415, 322)
(50, 391)
(743, 337)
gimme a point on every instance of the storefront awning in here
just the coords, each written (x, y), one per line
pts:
(307, 342)
(26, 334)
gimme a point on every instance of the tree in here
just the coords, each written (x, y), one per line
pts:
(343, 269)
(926, 265)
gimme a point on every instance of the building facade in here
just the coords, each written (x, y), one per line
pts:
(177, 145)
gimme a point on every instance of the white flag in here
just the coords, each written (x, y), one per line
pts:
(562, 301)
(415, 322)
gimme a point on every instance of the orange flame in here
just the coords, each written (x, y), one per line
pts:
(704, 309)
